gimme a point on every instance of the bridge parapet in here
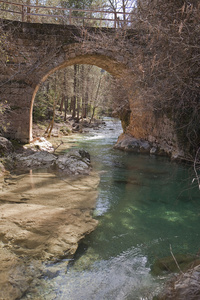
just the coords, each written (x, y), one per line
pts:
(69, 16)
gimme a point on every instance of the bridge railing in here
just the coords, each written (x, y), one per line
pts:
(69, 16)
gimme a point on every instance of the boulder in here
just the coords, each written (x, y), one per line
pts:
(35, 160)
(5, 146)
(74, 162)
(129, 143)
(41, 144)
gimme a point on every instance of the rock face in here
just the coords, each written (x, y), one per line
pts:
(155, 130)
(5, 146)
(129, 143)
(2, 170)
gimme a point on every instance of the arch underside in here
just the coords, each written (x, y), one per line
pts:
(112, 66)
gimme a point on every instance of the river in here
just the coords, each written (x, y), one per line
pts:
(145, 206)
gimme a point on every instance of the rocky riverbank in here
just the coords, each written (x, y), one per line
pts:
(128, 143)
(185, 286)
(43, 214)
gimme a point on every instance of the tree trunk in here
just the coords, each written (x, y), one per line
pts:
(62, 103)
(75, 93)
(78, 88)
(124, 13)
(73, 103)
(50, 126)
(66, 107)
(93, 112)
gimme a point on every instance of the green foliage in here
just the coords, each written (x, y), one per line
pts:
(42, 108)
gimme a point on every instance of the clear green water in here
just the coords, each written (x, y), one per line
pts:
(145, 204)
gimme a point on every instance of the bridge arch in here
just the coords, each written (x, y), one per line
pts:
(76, 54)
(42, 49)
(37, 50)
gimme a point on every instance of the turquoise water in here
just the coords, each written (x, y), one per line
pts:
(146, 205)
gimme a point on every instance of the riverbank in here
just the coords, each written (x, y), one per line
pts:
(43, 215)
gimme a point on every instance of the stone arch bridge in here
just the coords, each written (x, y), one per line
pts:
(38, 50)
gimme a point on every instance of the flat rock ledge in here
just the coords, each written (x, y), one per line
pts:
(41, 224)
(183, 287)
(127, 142)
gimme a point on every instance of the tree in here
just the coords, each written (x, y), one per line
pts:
(121, 8)
(165, 64)
(170, 77)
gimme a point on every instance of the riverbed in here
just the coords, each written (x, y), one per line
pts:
(147, 207)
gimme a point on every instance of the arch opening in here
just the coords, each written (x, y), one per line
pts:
(110, 73)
